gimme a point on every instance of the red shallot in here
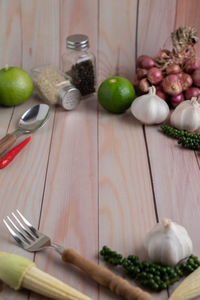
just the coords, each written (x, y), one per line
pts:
(154, 75)
(136, 82)
(185, 80)
(192, 92)
(163, 54)
(191, 65)
(171, 85)
(145, 62)
(144, 85)
(141, 73)
(176, 100)
(139, 59)
(160, 93)
(173, 69)
(196, 77)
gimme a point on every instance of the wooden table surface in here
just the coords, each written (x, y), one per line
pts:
(90, 178)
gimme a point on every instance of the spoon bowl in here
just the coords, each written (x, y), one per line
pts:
(34, 118)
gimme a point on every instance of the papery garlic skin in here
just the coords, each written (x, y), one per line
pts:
(150, 109)
(167, 243)
(186, 116)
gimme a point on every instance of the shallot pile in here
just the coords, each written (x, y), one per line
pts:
(175, 73)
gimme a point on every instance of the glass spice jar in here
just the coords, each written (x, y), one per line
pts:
(79, 63)
(55, 88)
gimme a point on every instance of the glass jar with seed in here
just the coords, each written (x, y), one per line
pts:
(55, 88)
(79, 63)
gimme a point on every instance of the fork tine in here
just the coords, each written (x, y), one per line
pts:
(22, 226)
(14, 235)
(30, 226)
(18, 230)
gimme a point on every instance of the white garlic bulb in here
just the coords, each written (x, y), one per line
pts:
(150, 109)
(186, 115)
(168, 243)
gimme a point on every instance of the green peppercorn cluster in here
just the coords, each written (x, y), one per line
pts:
(155, 277)
(185, 139)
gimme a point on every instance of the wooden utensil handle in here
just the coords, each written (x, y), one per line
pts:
(6, 142)
(105, 277)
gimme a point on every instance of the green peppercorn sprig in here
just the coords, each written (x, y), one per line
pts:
(155, 277)
(190, 143)
(185, 139)
(172, 132)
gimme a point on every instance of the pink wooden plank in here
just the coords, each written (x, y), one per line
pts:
(22, 182)
(117, 25)
(78, 17)
(187, 15)
(156, 20)
(70, 207)
(175, 172)
(172, 184)
(126, 207)
(10, 37)
(176, 182)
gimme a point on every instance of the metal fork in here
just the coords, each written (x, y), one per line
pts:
(29, 238)
(32, 240)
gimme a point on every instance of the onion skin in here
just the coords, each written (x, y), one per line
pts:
(185, 80)
(161, 94)
(145, 62)
(192, 92)
(144, 85)
(163, 53)
(154, 75)
(176, 100)
(136, 82)
(192, 65)
(173, 69)
(196, 77)
(171, 85)
(139, 59)
(148, 63)
(141, 73)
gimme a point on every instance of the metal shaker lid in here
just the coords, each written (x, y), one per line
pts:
(69, 97)
(77, 41)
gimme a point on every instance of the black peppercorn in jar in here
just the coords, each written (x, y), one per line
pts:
(79, 63)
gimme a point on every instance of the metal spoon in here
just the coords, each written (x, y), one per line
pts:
(34, 118)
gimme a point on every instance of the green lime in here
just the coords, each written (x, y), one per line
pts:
(116, 94)
(16, 86)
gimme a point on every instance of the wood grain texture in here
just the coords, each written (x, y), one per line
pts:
(86, 178)
(126, 208)
(70, 209)
(10, 53)
(22, 182)
(117, 33)
(155, 22)
(175, 172)
(156, 19)
(173, 187)
(41, 30)
(10, 40)
(187, 15)
(71, 198)
(79, 16)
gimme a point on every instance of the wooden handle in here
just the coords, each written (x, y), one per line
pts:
(105, 277)
(6, 142)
